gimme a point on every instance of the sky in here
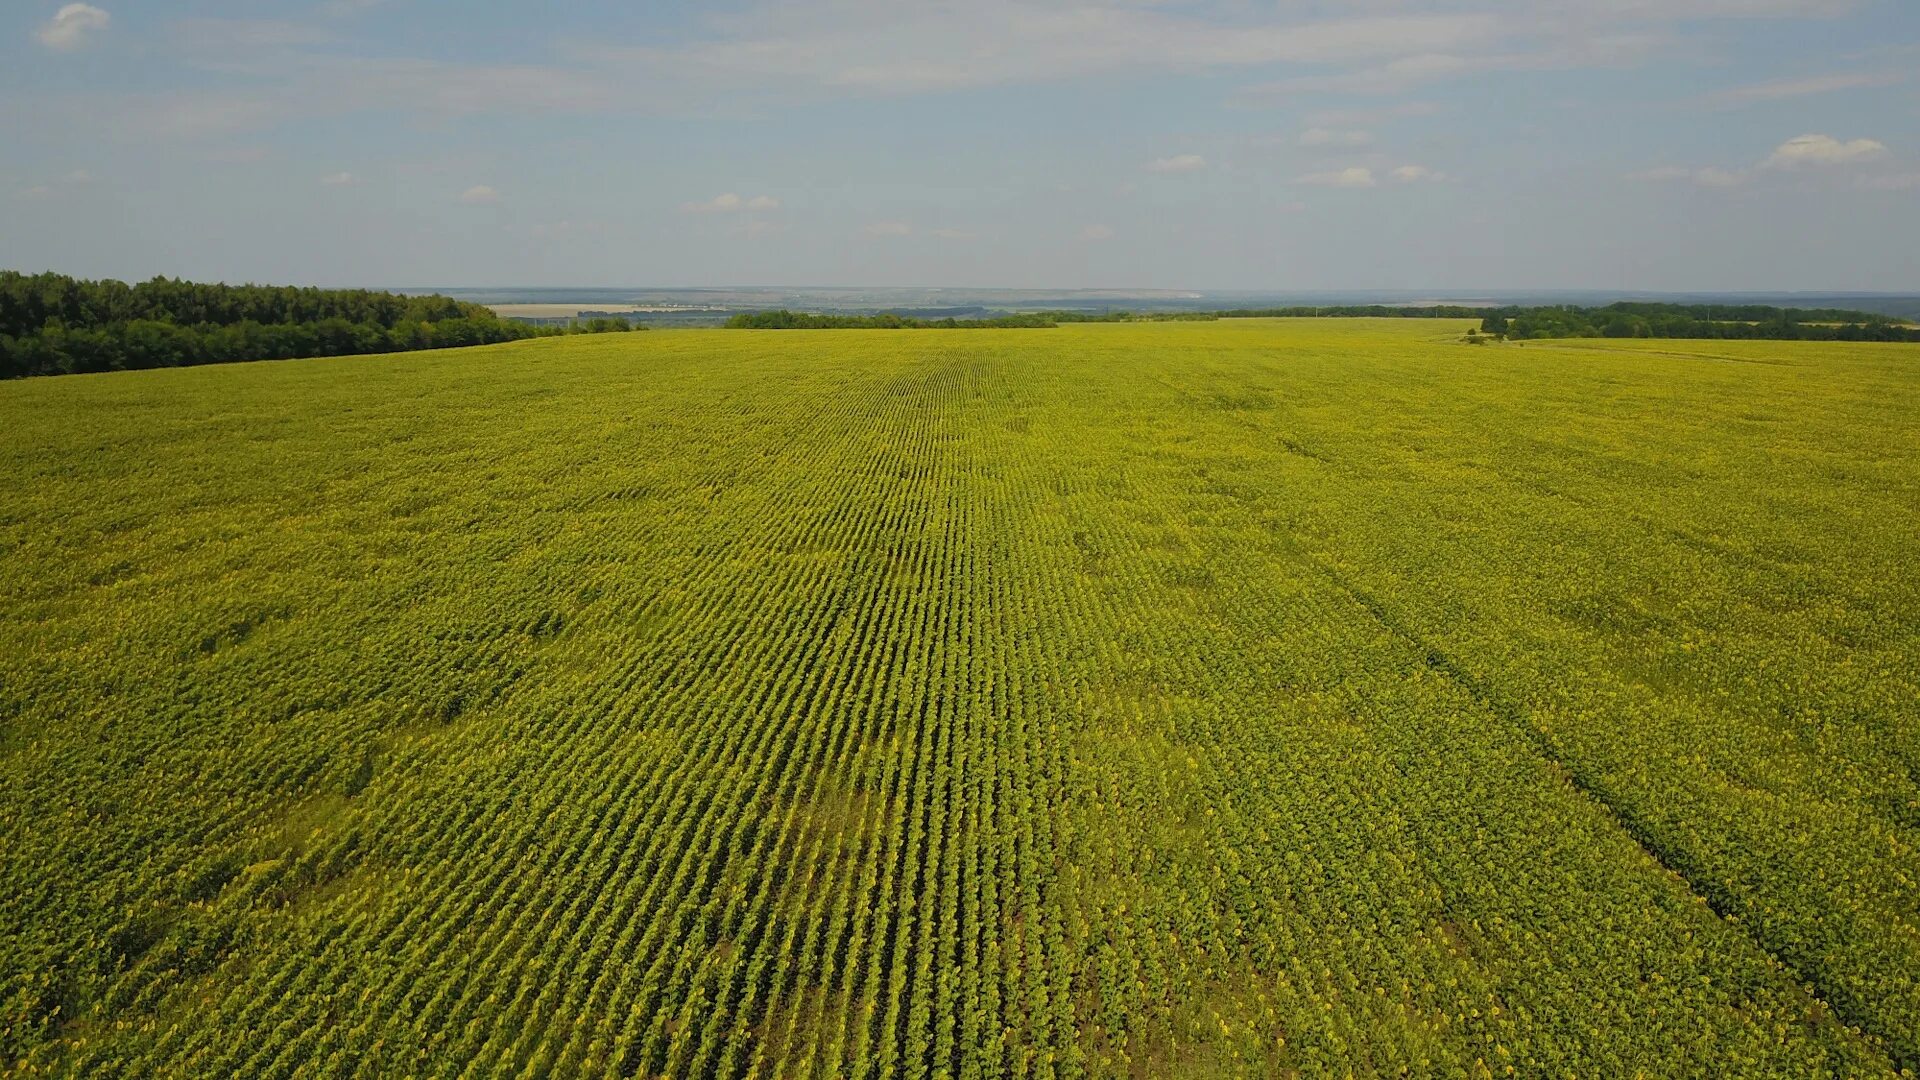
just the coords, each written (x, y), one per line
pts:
(1444, 145)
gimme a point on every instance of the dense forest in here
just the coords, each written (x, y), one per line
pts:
(51, 324)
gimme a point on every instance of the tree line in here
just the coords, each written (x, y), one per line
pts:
(51, 324)
(1625, 319)
(1630, 319)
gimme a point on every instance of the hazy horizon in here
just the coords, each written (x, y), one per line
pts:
(1728, 146)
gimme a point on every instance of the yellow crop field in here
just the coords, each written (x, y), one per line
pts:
(1237, 698)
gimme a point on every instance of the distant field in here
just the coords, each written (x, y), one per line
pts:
(1169, 699)
(561, 311)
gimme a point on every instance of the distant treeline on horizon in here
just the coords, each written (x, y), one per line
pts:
(51, 324)
(1630, 319)
(1624, 319)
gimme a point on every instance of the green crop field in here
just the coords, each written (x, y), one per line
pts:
(1250, 698)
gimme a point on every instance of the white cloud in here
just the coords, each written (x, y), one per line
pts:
(1801, 150)
(1321, 136)
(1357, 176)
(70, 26)
(1824, 150)
(862, 48)
(760, 54)
(1179, 163)
(952, 234)
(1392, 77)
(1546, 44)
(479, 195)
(887, 228)
(343, 179)
(1097, 232)
(1711, 176)
(722, 203)
(1415, 174)
(78, 177)
(728, 202)
(1715, 177)
(1783, 89)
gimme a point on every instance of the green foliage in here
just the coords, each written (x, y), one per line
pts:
(1705, 321)
(52, 324)
(1232, 698)
(1621, 320)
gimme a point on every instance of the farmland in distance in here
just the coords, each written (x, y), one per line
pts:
(1253, 697)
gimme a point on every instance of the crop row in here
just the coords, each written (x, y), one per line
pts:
(1154, 699)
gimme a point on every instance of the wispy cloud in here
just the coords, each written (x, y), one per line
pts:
(1394, 76)
(1360, 118)
(722, 203)
(1357, 176)
(1320, 136)
(1417, 174)
(219, 35)
(195, 115)
(1824, 150)
(1178, 163)
(887, 228)
(729, 202)
(479, 195)
(1784, 89)
(1546, 45)
(1712, 177)
(71, 26)
(952, 234)
(768, 54)
(1097, 232)
(339, 179)
(1801, 151)
(861, 49)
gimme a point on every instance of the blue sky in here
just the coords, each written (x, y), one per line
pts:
(1449, 145)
